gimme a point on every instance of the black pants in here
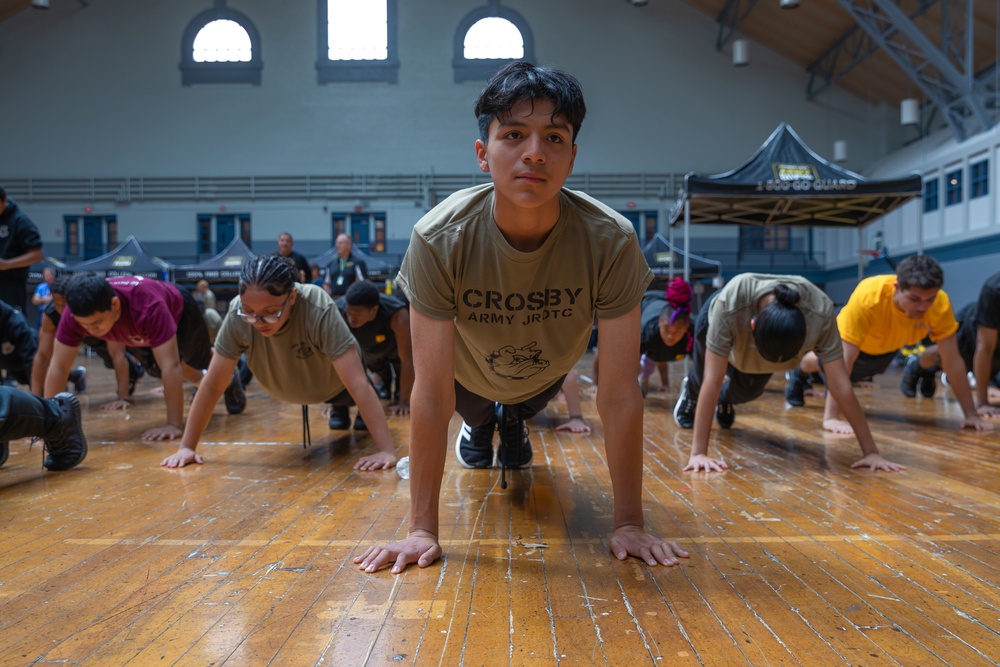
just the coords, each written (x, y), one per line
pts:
(24, 415)
(479, 411)
(193, 342)
(14, 294)
(741, 388)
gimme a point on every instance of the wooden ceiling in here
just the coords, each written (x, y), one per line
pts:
(805, 33)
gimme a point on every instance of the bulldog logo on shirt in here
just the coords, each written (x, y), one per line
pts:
(4, 231)
(517, 363)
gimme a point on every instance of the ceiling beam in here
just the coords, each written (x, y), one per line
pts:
(945, 77)
(849, 51)
(730, 18)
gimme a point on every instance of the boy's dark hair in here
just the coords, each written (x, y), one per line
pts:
(88, 293)
(520, 81)
(274, 273)
(3, 194)
(921, 271)
(362, 293)
(780, 327)
(60, 285)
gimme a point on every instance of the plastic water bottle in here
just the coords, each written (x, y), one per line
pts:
(403, 467)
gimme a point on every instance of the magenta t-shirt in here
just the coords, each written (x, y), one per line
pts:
(150, 312)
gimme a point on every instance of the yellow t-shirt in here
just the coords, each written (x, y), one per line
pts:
(873, 323)
(522, 319)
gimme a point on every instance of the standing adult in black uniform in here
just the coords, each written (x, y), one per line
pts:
(346, 270)
(20, 247)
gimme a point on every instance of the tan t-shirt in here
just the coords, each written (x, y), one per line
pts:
(295, 364)
(522, 319)
(731, 310)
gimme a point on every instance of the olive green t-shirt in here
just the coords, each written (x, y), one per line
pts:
(730, 312)
(295, 365)
(522, 319)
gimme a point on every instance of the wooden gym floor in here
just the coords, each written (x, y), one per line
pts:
(795, 558)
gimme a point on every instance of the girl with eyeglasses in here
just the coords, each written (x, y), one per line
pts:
(299, 348)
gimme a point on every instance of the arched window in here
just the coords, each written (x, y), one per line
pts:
(356, 41)
(221, 45)
(487, 39)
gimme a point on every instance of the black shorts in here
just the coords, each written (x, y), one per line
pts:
(869, 365)
(193, 343)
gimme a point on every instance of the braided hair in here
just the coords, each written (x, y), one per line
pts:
(274, 273)
(780, 327)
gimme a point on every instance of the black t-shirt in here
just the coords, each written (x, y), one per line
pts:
(988, 306)
(376, 338)
(651, 344)
(18, 235)
(302, 264)
(985, 312)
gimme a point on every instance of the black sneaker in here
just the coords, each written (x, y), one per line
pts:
(795, 387)
(928, 383)
(725, 415)
(65, 444)
(235, 397)
(514, 450)
(78, 376)
(685, 408)
(911, 373)
(4, 451)
(340, 417)
(474, 446)
(135, 371)
(359, 423)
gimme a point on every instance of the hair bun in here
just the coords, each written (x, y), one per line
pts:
(786, 295)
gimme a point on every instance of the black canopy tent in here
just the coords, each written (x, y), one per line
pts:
(786, 183)
(128, 259)
(224, 267)
(36, 269)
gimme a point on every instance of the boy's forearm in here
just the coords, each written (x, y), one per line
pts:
(623, 447)
(429, 417)
(173, 395)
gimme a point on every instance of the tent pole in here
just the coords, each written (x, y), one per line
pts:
(687, 239)
(670, 240)
(861, 259)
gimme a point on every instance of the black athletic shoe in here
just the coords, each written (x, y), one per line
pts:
(474, 446)
(514, 450)
(235, 397)
(795, 387)
(359, 423)
(65, 444)
(78, 376)
(135, 371)
(685, 408)
(4, 451)
(725, 415)
(340, 417)
(911, 373)
(928, 383)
